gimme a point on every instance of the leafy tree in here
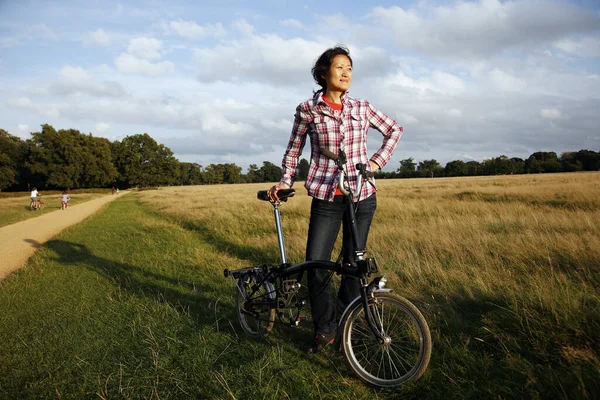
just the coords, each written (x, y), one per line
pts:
(232, 173)
(455, 168)
(569, 163)
(302, 170)
(590, 160)
(532, 166)
(141, 161)
(57, 158)
(190, 173)
(270, 172)
(12, 156)
(497, 166)
(517, 165)
(98, 169)
(407, 168)
(222, 173)
(472, 168)
(543, 161)
(254, 174)
(430, 168)
(213, 174)
(69, 159)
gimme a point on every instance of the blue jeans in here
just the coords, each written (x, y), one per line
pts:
(325, 220)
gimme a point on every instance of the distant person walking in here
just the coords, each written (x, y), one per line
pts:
(64, 201)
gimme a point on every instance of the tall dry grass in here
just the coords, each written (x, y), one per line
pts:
(504, 267)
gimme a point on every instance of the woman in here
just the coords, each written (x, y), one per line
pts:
(334, 121)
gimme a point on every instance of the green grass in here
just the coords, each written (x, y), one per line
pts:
(132, 303)
(14, 207)
(129, 305)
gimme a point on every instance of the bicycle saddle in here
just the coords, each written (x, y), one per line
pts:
(282, 194)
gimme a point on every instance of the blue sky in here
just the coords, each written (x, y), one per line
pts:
(218, 81)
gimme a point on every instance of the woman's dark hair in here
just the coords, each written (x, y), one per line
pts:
(324, 62)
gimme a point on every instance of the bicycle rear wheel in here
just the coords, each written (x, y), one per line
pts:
(405, 353)
(255, 314)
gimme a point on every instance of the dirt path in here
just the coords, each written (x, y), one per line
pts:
(19, 241)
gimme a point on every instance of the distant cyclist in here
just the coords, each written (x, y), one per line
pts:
(64, 201)
(34, 198)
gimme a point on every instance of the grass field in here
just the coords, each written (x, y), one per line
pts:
(132, 303)
(14, 207)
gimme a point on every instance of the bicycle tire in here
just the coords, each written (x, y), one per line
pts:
(405, 355)
(261, 324)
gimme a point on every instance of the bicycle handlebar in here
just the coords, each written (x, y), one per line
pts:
(340, 160)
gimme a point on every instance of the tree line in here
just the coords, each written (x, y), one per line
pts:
(67, 158)
(538, 162)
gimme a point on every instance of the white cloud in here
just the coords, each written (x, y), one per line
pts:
(454, 112)
(102, 127)
(293, 23)
(243, 27)
(190, 29)
(27, 33)
(281, 125)
(41, 30)
(407, 119)
(130, 64)
(505, 81)
(21, 102)
(98, 37)
(438, 82)
(78, 80)
(583, 47)
(482, 28)
(551, 113)
(49, 110)
(447, 83)
(22, 128)
(74, 74)
(264, 58)
(143, 47)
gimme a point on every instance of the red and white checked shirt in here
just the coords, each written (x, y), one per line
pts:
(346, 130)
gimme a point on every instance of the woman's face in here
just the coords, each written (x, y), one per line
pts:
(339, 75)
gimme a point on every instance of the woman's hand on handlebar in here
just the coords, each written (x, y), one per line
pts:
(272, 192)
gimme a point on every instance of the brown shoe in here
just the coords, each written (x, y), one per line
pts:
(320, 341)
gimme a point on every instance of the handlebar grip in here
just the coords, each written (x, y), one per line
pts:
(363, 170)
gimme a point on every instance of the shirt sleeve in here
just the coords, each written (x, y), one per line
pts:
(391, 132)
(295, 146)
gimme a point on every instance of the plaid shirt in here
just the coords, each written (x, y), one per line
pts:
(346, 130)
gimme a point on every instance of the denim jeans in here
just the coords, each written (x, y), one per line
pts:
(325, 220)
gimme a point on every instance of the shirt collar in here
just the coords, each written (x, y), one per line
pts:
(318, 99)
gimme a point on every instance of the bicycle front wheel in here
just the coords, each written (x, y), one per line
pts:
(255, 314)
(404, 354)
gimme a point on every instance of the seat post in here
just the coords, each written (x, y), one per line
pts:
(279, 232)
